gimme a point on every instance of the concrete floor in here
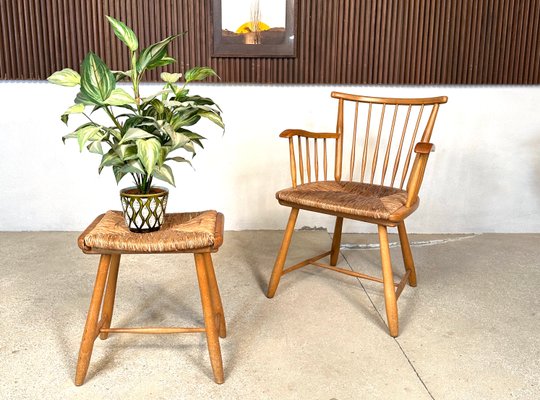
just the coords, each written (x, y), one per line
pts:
(468, 331)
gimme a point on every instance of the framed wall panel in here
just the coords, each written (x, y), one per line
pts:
(253, 28)
(337, 41)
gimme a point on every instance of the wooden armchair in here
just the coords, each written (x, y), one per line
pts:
(381, 187)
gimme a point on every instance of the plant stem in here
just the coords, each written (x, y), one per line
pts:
(96, 124)
(89, 119)
(109, 112)
(135, 79)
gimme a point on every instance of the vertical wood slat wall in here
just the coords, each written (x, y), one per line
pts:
(339, 41)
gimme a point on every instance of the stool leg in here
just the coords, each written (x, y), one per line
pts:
(212, 337)
(214, 293)
(110, 292)
(91, 328)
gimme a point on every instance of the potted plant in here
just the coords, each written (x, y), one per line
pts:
(142, 132)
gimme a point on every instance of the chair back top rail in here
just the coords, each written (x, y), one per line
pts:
(390, 100)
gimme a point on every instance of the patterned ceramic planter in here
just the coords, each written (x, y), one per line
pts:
(144, 212)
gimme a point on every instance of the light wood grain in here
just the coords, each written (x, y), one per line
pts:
(407, 254)
(282, 255)
(91, 328)
(217, 306)
(110, 293)
(388, 282)
(336, 241)
(107, 275)
(212, 330)
(411, 121)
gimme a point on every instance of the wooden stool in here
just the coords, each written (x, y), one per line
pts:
(200, 233)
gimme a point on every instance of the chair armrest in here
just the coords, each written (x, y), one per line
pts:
(424, 148)
(312, 135)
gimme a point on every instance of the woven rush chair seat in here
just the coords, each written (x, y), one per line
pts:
(199, 233)
(351, 198)
(181, 232)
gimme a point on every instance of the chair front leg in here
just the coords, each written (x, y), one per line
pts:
(388, 281)
(407, 254)
(336, 241)
(91, 328)
(282, 255)
(110, 293)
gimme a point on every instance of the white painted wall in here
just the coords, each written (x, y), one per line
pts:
(484, 176)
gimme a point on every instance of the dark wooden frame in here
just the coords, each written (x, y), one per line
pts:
(221, 48)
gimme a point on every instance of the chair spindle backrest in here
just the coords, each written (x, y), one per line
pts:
(309, 155)
(390, 129)
(382, 131)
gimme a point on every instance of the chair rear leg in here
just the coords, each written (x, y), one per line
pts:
(91, 327)
(407, 254)
(282, 255)
(388, 281)
(110, 292)
(336, 242)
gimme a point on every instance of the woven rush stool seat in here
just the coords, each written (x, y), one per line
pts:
(180, 232)
(200, 233)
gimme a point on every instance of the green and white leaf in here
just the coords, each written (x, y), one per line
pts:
(152, 97)
(164, 61)
(119, 97)
(133, 167)
(97, 80)
(178, 159)
(126, 151)
(134, 134)
(65, 77)
(188, 118)
(215, 118)
(170, 78)
(95, 147)
(157, 105)
(178, 140)
(180, 93)
(81, 98)
(87, 133)
(203, 101)
(154, 54)
(124, 33)
(110, 159)
(199, 73)
(164, 173)
(120, 75)
(118, 174)
(72, 135)
(148, 152)
(75, 109)
(189, 147)
(115, 133)
(172, 103)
